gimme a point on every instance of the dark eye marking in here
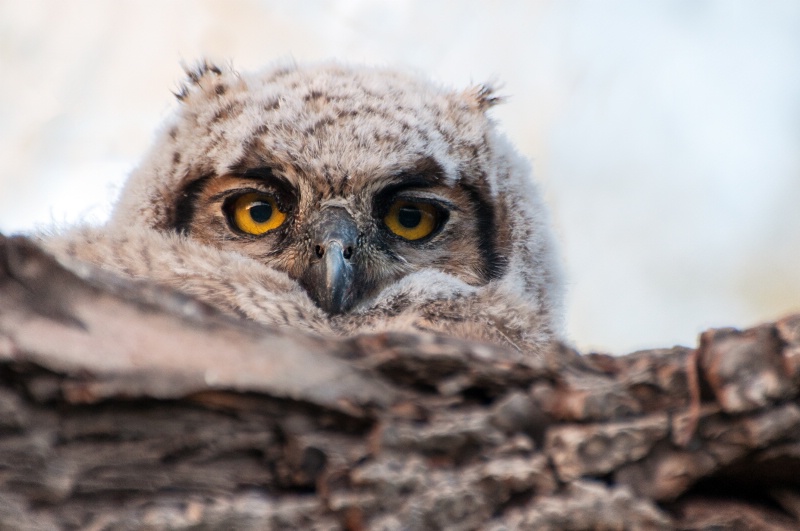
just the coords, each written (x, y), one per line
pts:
(259, 174)
(494, 262)
(184, 209)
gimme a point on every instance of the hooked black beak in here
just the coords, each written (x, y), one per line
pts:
(328, 278)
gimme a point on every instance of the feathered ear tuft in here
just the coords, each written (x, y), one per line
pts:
(203, 76)
(484, 96)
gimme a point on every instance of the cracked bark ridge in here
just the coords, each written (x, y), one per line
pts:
(125, 406)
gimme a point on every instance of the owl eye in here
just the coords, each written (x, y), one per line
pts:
(256, 213)
(411, 220)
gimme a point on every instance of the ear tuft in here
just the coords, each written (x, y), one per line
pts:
(201, 76)
(484, 96)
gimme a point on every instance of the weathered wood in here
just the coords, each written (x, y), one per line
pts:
(125, 406)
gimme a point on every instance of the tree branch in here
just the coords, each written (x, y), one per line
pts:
(126, 406)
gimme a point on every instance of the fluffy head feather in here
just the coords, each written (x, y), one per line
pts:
(331, 137)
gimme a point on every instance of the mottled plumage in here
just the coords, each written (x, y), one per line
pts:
(386, 201)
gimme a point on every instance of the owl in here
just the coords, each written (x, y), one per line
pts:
(336, 200)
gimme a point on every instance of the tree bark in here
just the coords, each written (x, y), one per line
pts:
(126, 406)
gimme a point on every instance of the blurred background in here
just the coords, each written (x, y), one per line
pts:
(666, 134)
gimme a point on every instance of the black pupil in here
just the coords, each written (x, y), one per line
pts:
(409, 217)
(260, 212)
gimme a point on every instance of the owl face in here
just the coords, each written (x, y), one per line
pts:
(344, 242)
(346, 179)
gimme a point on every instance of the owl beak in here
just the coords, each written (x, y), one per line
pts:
(328, 279)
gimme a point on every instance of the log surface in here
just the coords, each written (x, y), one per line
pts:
(126, 406)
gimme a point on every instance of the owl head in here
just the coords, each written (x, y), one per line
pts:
(349, 180)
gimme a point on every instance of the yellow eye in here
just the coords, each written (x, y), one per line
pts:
(257, 213)
(410, 220)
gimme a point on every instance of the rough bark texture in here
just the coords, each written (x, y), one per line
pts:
(123, 406)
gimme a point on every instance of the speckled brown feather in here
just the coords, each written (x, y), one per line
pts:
(337, 135)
